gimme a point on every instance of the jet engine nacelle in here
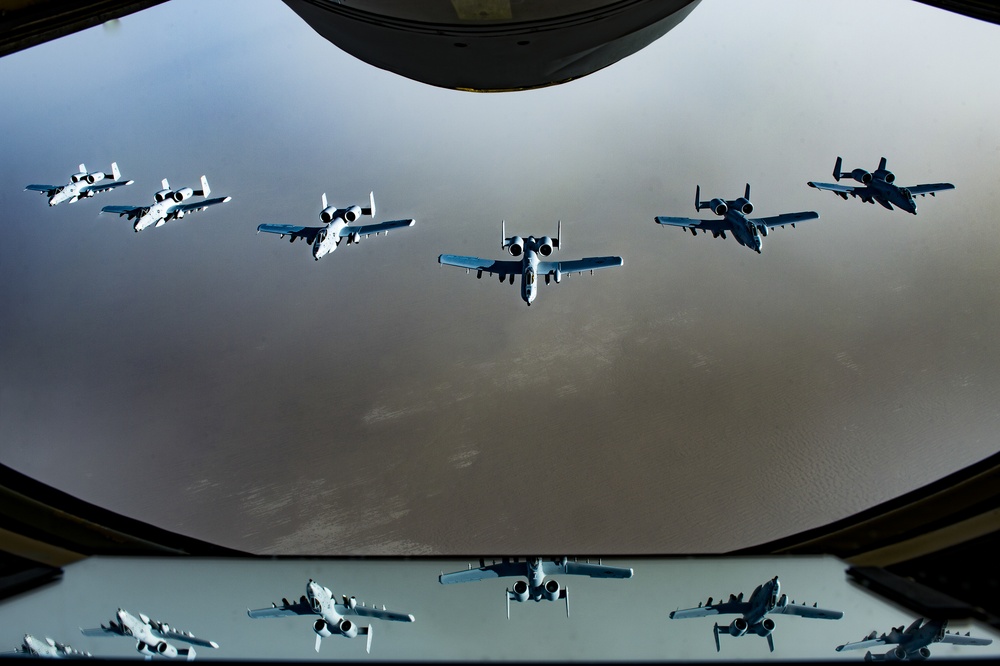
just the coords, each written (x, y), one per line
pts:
(354, 238)
(352, 213)
(162, 648)
(765, 627)
(321, 628)
(77, 177)
(516, 246)
(182, 194)
(545, 246)
(161, 195)
(861, 176)
(718, 206)
(328, 213)
(94, 177)
(885, 175)
(922, 653)
(348, 628)
(896, 654)
(762, 228)
(558, 276)
(744, 205)
(520, 591)
(551, 590)
(738, 627)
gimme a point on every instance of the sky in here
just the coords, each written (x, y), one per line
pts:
(609, 619)
(702, 398)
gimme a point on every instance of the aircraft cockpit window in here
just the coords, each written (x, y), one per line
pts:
(530, 277)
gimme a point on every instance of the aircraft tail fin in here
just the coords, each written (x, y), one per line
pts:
(370, 211)
(325, 204)
(165, 184)
(837, 173)
(881, 164)
(746, 194)
(205, 189)
(115, 173)
(697, 198)
(83, 168)
(565, 595)
(368, 633)
(770, 642)
(718, 645)
(557, 243)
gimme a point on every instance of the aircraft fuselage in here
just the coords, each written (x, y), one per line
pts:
(529, 283)
(888, 194)
(744, 230)
(328, 239)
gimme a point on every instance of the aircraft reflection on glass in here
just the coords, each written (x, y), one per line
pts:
(764, 599)
(81, 185)
(746, 231)
(336, 227)
(912, 642)
(536, 570)
(319, 600)
(48, 649)
(879, 186)
(167, 205)
(529, 266)
(149, 635)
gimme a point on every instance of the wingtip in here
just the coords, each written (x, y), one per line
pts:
(412, 619)
(214, 644)
(227, 199)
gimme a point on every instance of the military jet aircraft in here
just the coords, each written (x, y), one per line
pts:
(536, 570)
(48, 648)
(167, 205)
(319, 600)
(879, 186)
(746, 231)
(82, 185)
(912, 642)
(530, 265)
(336, 227)
(764, 599)
(149, 635)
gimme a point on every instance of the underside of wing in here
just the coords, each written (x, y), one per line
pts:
(196, 206)
(186, 636)
(958, 639)
(44, 188)
(104, 187)
(498, 570)
(478, 264)
(121, 210)
(285, 609)
(832, 187)
(99, 631)
(810, 611)
(371, 611)
(929, 188)
(293, 230)
(730, 607)
(861, 645)
(368, 229)
(785, 218)
(597, 570)
(579, 265)
(713, 226)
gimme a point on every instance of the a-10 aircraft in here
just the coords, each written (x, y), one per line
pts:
(537, 587)
(879, 186)
(336, 227)
(48, 649)
(149, 635)
(747, 231)
(81, 185)
(911, 643)
(765, 599)
(319, 600)
(167, 205)
(531, 265)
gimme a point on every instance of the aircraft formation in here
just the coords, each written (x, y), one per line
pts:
(531, 254)
(536, 583)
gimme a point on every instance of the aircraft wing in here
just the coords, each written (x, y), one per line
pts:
(809, 611)
(44, 188)
(726, 608)
(104, 187)
(785, 218)
(495, 570)
(368, 229)
(301, 607)
(476, 264)
(196, 206)
(867, 643)
(840, 189)
(293, 230)
(130, 211)
(578, 266)
(713, 226)
(101, 631)
(371, 611)
(169, 632)
(959, 639)
(595, 570)
(924, 190)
